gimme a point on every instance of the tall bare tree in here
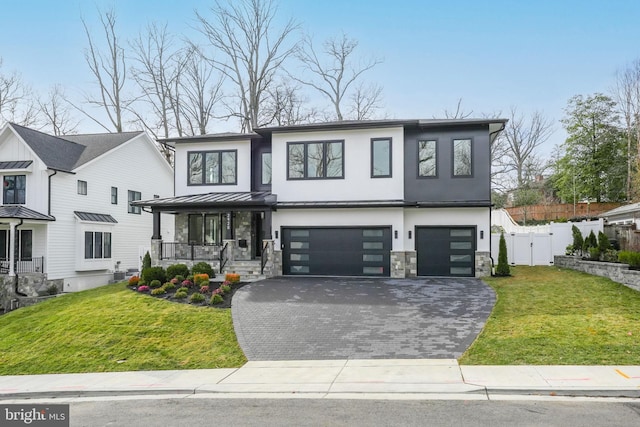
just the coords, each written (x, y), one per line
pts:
(335, 70)
(366, 99)
(627, 94)
(286, 105)
(523, 138)
(458, 113)
(109, 69)
(252, 50)
(16, 100)
(56, 112)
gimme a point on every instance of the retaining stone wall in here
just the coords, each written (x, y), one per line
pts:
(615, 271)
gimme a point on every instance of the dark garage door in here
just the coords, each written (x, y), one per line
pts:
(336, 251)
(446, 251)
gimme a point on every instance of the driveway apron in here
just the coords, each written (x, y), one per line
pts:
(313, 318)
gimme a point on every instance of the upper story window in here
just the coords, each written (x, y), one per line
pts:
(265, 168)
(427, 156)
(114, 195)
(212, 167)
(462, 156)
(82, 187)
(315, 160)
(134, 195)
(14, 189)
(381, 158)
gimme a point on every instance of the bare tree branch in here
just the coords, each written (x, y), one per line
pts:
(57, 114)
(16, 100)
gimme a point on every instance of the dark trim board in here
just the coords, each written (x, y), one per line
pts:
(337, 251)
(446, 250)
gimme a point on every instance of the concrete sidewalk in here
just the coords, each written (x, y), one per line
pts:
(398, 379)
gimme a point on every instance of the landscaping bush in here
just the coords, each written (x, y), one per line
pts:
(232, 277)
(216, 299)
(603, 243)
(196, 298)
(201, 279)
(203, 267)
(629, 257)
(187, 283)
(180, 295)
(578, 241)
(178, 279)
(169, 286)
(143, 288)
(503, 263)
(225, 288)
(154, 273)
(52, 290)
(594, 254)
(610, 255)
(204, 289)
(146, 262)
(177, 270)
(183, 289)
(158, 291)
(155, 283)
(590, 242)
(133, 280)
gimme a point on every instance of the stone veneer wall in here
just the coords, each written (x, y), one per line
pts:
(398, 269)
(410, 264)
(617, 272)
(483, 264)
(242, 226)
(35, 285)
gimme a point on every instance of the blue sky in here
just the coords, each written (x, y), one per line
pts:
(493, 54)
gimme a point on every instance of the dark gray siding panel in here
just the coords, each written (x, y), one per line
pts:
(259, 146)
(445, 187)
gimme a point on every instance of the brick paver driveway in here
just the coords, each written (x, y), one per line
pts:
(303, 318)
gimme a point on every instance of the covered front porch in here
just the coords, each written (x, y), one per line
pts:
(230, 231)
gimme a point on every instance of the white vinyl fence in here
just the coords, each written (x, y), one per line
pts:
(536, 245)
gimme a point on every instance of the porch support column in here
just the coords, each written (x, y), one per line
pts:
(12, 248)
(228, 231)
(156, 226)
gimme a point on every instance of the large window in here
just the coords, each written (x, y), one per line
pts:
(212, 167)
(315, 160)
(381, 158)
(23, 247)
(427, 158)
(82, 187)
(14, 189)
(204, 229)
(133, 196)
(265, 168)
(97, 245)
(462, 157)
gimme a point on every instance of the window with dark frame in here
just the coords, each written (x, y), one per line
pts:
(97, 245)
(133, 196)
(427, 158)
(265, 168)
(462, 157)
(381, 157)
(82, 187)
(212, 167)
(23, 248)
(14, 189)
(315, 160)
(114, 195)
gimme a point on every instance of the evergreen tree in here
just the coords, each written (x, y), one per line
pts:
(578, 241)
(503, 264)
(146, 262)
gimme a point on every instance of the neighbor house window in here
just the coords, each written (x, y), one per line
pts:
(381, 158)
(427, 158)
(462, 157)
(23, 248)
(114, 195)
(212, 167)
(133, 196)
(14, 189)
(315, 160)
(265, 168)
(97, 245)
(82, 187)
(204, 229)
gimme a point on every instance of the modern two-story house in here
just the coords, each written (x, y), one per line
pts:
(396, 198)
(65, 217)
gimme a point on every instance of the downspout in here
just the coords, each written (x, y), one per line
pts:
(49, 190)
(15, 269)
(504, 125)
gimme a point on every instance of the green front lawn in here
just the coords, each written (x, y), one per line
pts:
(111, 329)
(547, 315)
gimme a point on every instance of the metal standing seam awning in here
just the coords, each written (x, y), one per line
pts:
(21, 212)
(252, 200)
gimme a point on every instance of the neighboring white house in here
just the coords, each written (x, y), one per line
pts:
(624, 215)
(396, 198)
(65, 212)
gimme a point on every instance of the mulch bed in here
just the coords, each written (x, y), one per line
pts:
(169, 296)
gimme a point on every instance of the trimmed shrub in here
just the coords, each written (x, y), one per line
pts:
(183, 289)
(146, 263)
(133, 280)
(201, 279)
(204, 289)
(503, 263)
(142, 283)
(52, 290)
(203, 267)
(155, 283)
(187, 283)
(629, 257)
(232, 277)
(216, 299)
(590, 242)
(225, 288)
(169, 286)
(578, 241)
(180, 295)
(177, 270)
(594, 254)
(143, 288)
(158, 291)
(610, 255)
(603, 243)
(178, 278)
(196, 298)
(154, 273)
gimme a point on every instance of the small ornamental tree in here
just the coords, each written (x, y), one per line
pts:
(603, 242)
(578, 241)
(146, 263)
(503, 263)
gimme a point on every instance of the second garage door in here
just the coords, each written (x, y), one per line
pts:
(348, 251)
(446, 251)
